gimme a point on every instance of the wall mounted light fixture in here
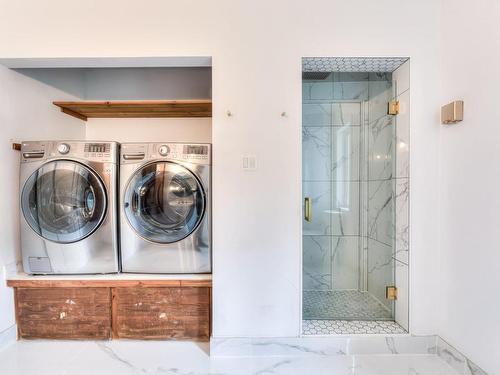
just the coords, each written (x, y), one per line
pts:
(453, 112)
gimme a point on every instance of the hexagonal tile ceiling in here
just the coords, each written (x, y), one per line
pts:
(351, 64)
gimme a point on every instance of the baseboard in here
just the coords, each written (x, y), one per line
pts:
(8, 337)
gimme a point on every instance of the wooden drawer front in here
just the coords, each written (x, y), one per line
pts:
(64, 313)
(161, 313)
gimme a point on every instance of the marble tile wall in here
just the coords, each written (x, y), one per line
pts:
(379, 153)
(387, 190)
(401, 92)
(380, 270)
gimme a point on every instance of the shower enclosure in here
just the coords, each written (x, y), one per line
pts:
(352, 214)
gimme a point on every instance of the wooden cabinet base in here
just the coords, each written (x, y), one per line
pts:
(63, 313)
(101, 313)
(161, 313)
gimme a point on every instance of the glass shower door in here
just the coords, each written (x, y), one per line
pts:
(347, 251)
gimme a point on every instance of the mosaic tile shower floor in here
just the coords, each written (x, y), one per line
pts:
(350, 327)
(343, 305)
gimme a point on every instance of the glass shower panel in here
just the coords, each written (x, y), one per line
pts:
(348, 189)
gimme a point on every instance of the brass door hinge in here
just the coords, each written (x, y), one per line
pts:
(393, 107)
(391, 292)
(308, 209)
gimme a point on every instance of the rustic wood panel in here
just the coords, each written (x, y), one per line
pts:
(155, 108)
(53, 283)
(162, 313)
(196, 283)
(63, 313)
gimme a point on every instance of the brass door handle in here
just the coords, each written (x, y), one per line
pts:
(308, 209)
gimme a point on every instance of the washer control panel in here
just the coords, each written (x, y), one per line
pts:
(195, 153)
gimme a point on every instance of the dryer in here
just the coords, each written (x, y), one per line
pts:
(68, 206)
(165, 207)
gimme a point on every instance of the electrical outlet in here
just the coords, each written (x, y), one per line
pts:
(249, 162)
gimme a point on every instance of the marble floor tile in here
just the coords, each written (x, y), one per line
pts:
(187, 358)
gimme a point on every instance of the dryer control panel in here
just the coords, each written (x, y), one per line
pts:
(90, 151)
(195, 153)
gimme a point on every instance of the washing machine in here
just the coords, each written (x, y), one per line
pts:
(165, 207)
(69, 207)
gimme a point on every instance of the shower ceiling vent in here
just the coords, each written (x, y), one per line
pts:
(351, 64)
(315, 76)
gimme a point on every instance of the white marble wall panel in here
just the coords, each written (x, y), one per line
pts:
(381, 148)
(351, 76)
(402, 78)
(306, 90)
(321, 90)
(345, 208)
(350, 91)
(459, 362)
(380, 270)
(402, 131)
(401, 304)
(316, 148)
(316, 114)
(345, 258)
(346, 113)
(402, 228)
(380, 93)
(322, 346)
(392, 345)
(380, 76)
(350, 86)
(317, 270)
(345, 153)
(320, 194)
(380, 211)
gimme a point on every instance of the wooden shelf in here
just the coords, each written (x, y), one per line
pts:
(100, 283)
(135, 109)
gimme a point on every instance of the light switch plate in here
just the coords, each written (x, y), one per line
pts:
(249, 162)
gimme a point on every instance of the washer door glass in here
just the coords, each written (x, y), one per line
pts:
(64, 201)
(164, 202)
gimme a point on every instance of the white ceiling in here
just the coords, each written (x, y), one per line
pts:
(108, 62)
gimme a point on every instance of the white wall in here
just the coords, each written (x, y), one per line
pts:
(256, 48)
(470, 183)
(196, 130)
(26, 113)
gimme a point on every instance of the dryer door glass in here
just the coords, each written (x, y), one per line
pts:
(64, 201)
(164, 202)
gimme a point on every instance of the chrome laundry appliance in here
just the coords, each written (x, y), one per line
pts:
(165, 207)
(68, 205)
